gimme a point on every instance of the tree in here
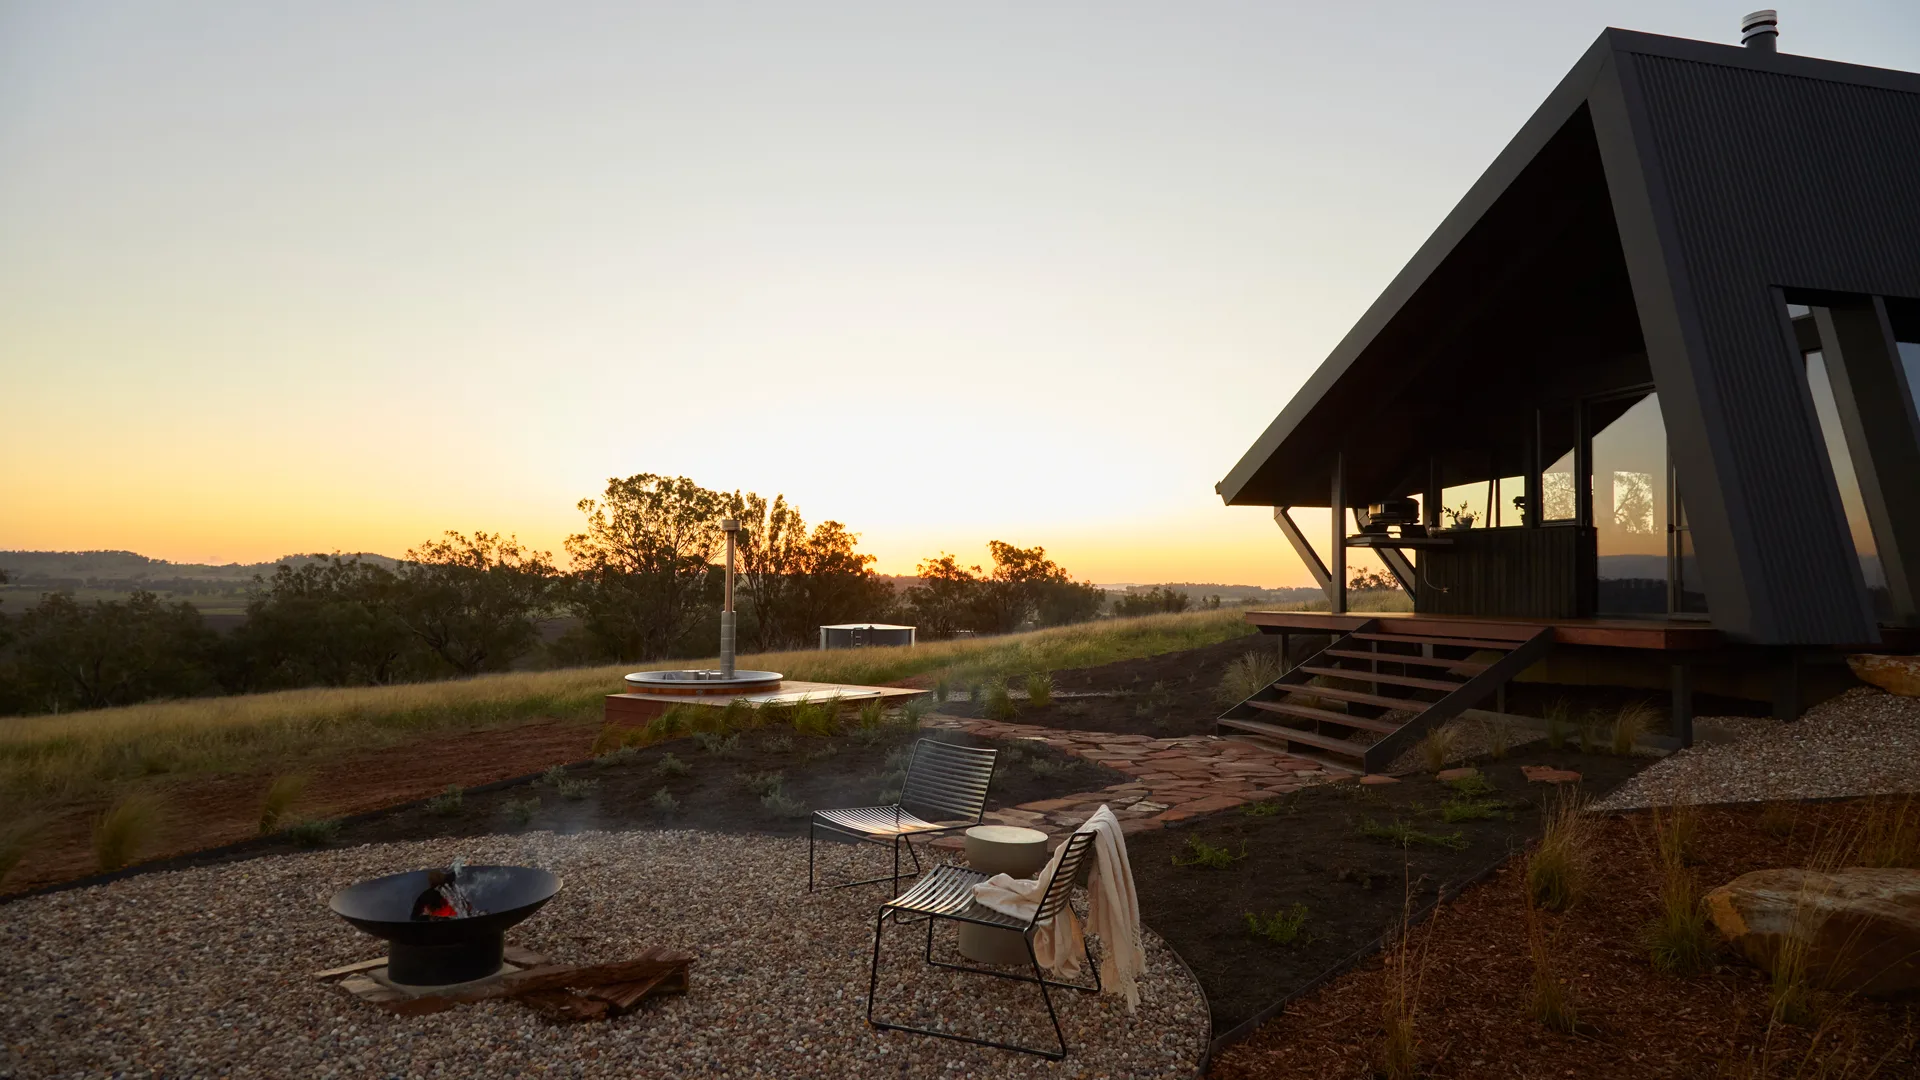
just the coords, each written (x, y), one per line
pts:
(476, 604)
(331, 621)
(641, 569)
(92, 656)
(772, 551)
(1372, 581)
(1157, 600)
(946, 599)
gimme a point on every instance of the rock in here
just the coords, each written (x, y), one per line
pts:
(1547, 774)
(1378, 778)
(1456, 774)
(1862, 925)
(1894, 674)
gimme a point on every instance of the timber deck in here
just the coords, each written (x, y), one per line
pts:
(1658, 634)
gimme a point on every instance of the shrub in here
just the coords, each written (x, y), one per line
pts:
(816, 717)
(279, 799)
(777, 744)
(1040, 689)
(575, 790)
(1251, 673)
(663, 802)
(611, 737)
(872, 715)
(521, 811)
(1282, 927)
(999, 704)
(121, 832)
(1632, 722)
(15, 839)
(622, 756)
(911, 712)
(1211, 856)
(1557, 868)
(312, 832)
(448, 802)
(668, 765)
(1458, 809)
(976, 692)
(554, 776)
(1474, 785)
(1403, 835)
(1438, 747)
(1045, 767)
(717, 744)
(1263, 808)
(942, 689)
(761, 783)
(675, 723)
(1153, 702)
(781, 805)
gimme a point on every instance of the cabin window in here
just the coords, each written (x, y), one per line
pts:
(1467, 504)
(1510, 502)
(1629, 493)
(1820, 385)
(1559, 446)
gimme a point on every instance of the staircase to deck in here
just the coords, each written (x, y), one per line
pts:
(1362, 701)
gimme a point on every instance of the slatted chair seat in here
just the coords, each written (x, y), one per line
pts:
(947, 893)
(879, 820)
(945, 789)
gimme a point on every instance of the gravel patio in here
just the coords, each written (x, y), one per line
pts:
(208, 972)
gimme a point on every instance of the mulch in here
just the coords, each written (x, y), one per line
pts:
(1474, 975)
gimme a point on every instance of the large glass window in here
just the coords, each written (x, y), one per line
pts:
(1851, 501)
(1630, 504)
(1559, 434)
(1467, 504)
(1910, 360)
(1689, 594)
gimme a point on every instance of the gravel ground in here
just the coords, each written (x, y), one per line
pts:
(1864, 742)
(208, 972)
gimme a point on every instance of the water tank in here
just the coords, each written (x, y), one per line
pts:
(862, 634)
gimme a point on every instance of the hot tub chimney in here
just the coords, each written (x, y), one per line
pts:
(1761, 30)
(731, 527)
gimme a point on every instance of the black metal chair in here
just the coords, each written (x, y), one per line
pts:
(947, 893)
(946, 782)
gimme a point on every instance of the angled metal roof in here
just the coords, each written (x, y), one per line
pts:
(1644, 220)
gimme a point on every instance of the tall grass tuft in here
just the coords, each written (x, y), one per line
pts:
(1499, 736)
(1889, 835)
(1558, 718)
(1679, 940)
(999, 704)
(1253, 672)
(15, 838)
(817, 717)
(1558, 868)
(942, 689)
(1550, 1000)
(1400, 1000)
(279, 799)
(1438, 747)
(1631, 723)
(1040, 689)
(873, 714)
(120, 834)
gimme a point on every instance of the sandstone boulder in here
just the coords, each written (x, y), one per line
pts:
(1860, 926)
(1894, 674)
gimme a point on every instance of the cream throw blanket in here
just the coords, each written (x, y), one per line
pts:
(1113, 912)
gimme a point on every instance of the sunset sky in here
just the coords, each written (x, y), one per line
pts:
(316, 276)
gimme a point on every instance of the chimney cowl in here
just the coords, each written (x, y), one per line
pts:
(1760, 30)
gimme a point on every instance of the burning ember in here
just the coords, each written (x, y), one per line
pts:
(442, 898)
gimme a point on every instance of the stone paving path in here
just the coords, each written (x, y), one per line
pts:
(1172, 779)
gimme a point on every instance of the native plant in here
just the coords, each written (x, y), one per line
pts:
(575, 790)
(1401, 981)
(1499, 737)
(1210, 856)
(448, 802)
(817, 718)
(1253, 672)
(1558, 718)
(621, 756)
(1283, 927)
(279, 799)
(123, 831)
(1779, 819)
(663, 802)
(1400, 834)
(761, 784)
(520, 811)
(1679, 940)
(943, 688)
(312, 832)
(1438, 747)
(1550, 999)
(1631, 723)
(1558, 868)
(1889, 835)
(999, 704)
(1040, 689)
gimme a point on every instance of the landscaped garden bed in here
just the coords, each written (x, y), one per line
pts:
(1331, 868)
(1473, 973)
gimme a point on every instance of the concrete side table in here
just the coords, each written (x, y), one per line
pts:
(1001, 849)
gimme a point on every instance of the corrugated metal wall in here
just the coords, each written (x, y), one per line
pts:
(1781, 180)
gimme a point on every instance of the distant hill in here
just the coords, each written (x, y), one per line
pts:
(1229, 594)
(88, 567)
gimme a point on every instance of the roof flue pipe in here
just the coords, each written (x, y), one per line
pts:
(1761, 30)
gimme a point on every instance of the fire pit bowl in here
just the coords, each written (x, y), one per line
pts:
(441, 951)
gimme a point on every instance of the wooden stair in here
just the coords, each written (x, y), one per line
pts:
(1298, 717)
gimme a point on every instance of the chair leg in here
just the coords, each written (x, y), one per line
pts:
(873, 978)
(810, 835)
(1034, 959)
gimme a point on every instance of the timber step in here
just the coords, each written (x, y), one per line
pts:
(1295, 735)
(1308, 712)
(1425, 639)
(1358, 696)
(1416, 660)
(1376, 677)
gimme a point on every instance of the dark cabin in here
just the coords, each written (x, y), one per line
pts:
(1651, 384)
